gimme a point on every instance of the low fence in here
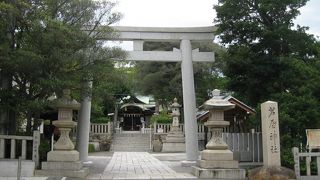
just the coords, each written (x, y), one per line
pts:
(306, 164)
(146, 130)
(247, 147)
(97, 128)
(8, 143)
(165, 128)
(101, 128)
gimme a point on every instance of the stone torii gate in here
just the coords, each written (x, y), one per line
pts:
(185, 55)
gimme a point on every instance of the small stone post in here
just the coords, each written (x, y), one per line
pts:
(217, 161)
(64, 160)
(175, 141)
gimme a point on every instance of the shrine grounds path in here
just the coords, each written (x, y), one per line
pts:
(138, 165)
(130, 165)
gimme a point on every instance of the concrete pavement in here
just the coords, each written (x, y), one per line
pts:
(137, 165)
(130, 165)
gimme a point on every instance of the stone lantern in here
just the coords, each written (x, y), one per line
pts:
(63, 160)
(175, 141)
(175, 115)
(217, 160)
(65, 106)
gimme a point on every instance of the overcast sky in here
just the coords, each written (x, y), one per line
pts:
(179, 13)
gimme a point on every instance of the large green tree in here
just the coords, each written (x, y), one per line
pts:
(261, 36)
(268, 58)
(49, 45)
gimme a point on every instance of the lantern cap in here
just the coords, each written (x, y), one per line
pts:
(175, 103)
(217, 102)
(66, 101)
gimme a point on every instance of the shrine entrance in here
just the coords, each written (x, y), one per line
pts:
(185, 54)
(132, 122)
(134, 116)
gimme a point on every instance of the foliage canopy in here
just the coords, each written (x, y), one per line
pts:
(50, 45)
(268, 58)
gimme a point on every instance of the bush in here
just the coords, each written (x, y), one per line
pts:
(100, 120)
(163, 117)
(91, 148)
(44, 148)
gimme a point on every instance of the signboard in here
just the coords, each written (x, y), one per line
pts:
(313, 138)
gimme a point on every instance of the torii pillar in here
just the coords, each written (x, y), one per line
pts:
(185, 55)
(189, 102)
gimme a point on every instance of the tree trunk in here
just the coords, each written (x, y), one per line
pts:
(29, 121)
(7, 117)
(36, 122)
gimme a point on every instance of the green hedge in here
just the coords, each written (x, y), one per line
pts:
(100, 120)
(91, 148)
(163, 117)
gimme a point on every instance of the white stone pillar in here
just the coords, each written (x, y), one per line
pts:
(270, 134)
(84, 122)
(189, 101)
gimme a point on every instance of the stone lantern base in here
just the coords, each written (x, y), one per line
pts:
(218, 164)
(63, 169)
(217, 159)
(63, 163)
(69, 156)
(219, 173)
(175, 142)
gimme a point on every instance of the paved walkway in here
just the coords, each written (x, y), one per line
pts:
(138, 165)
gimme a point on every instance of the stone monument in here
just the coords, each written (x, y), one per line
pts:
(271, 146)
(63, 160)
(217, 161)
(175, 141)
(270, 134)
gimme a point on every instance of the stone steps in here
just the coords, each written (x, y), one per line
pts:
(131, 142)
(131, 150)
